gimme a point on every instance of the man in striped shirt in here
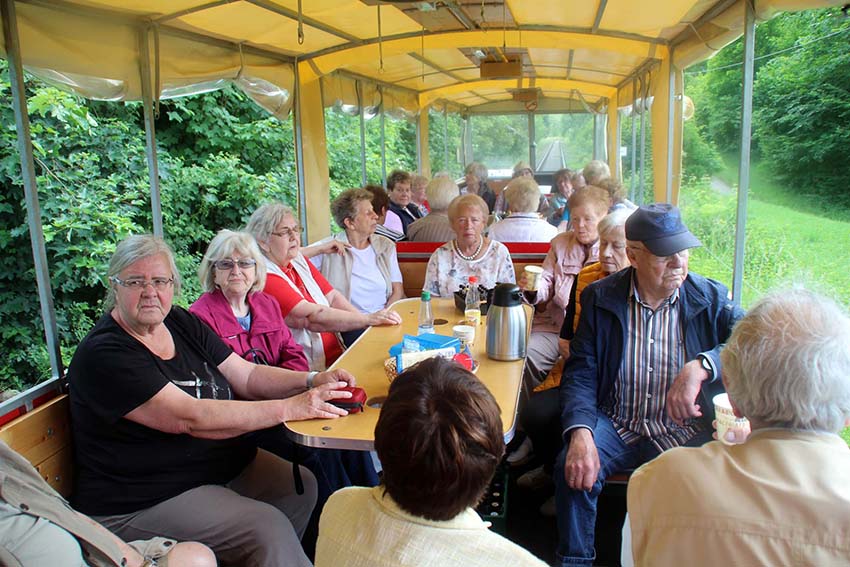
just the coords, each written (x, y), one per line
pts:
(643, 367)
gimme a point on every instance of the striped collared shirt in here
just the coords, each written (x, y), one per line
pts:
(654, 355)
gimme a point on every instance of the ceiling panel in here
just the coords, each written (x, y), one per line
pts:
(633, 17)
(576, 14)
(356, 18)
(240, 22)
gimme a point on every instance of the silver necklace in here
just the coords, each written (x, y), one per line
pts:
(474, 254)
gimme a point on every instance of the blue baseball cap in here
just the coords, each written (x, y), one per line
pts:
(660, 228)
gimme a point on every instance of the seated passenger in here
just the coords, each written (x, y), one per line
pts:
(469, 254)
(781, 497)
(439, 438)
(568, 254)
(233, 274)
(38, 527)
(436, 226)
(312, 308)
(158, 434)
(398, 188)
(540, 419)
(524, 223)
(643, 367)
(617, 195)
(476, 183)
(595, 172)
(562, 189)
(418, 183)
(366, 273)
(389, 225)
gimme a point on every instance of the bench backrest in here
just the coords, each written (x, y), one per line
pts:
(43, 436)
(413, 259)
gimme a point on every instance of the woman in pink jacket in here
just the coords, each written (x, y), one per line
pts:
(233, 273)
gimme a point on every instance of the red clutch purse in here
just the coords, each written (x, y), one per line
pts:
(355, 403)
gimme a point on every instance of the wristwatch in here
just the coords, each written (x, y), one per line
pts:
(706, 364)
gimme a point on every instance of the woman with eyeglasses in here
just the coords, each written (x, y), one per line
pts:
(312, 308)
(233, 273)
(160, 407)
(366, 273)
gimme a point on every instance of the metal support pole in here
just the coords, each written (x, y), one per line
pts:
(22, 125)
(641, 179)
(383, 144)
(532, 141)
(299, 159)
(595, 143)
(744, 165)
(445, 137)
(150, 131)
(363, 178)
(470, 155)
(633, 149)
(671, 113)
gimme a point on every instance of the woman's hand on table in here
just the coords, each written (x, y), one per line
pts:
(314, 402)
(383, 317)
(336, 375)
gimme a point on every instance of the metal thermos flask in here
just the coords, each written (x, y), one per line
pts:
(506, 324)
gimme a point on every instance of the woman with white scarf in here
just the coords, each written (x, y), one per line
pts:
(312, 308)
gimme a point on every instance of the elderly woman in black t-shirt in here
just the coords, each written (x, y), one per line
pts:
(158, 431)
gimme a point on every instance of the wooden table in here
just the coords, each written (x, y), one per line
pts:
(365, 359)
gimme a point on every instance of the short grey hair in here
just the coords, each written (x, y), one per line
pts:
(440, 192)
(613, 221)
(478, 170)
(418, 181)
(595, 171)
(468, 200)
(786, 363)
(345, 205)
(131, 250)
(522, 195)
(265, 219)
(225, 243)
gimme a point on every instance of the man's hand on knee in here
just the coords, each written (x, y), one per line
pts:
(582, 465)
(682, 395)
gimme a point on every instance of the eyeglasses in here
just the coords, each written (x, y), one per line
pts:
(227, 264)
(289, 232)
(136, 284)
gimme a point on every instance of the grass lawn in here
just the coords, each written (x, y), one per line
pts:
(791, 238)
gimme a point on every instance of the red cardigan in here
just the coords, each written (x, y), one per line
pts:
(269, 336)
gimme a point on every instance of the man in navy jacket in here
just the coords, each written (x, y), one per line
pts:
(643, 368)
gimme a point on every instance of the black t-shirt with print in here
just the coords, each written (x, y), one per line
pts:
(122, 466)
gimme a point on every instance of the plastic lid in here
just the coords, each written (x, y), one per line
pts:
(426, 296)
(473, 279)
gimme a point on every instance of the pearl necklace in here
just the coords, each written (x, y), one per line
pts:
(474, 254)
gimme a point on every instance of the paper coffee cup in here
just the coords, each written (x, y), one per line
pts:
(726, 418)
(464, 333)
(532, 277)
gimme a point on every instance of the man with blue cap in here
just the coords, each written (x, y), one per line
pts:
(643, 367)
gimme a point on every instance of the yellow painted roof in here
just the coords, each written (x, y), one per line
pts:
(426, 52)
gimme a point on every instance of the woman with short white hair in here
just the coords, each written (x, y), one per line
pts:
(524, 223)
(470, 253)
(436, 226)
(476, 183)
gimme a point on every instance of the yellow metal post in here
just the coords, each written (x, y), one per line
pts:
(423, 155)
(313, 160)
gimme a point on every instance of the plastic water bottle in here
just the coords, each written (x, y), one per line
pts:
(426, 315)
(472, 313)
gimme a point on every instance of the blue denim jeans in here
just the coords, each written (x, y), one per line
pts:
(577, 508)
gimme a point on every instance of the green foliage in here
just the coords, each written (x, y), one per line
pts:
(219, 158)
(803, 108)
